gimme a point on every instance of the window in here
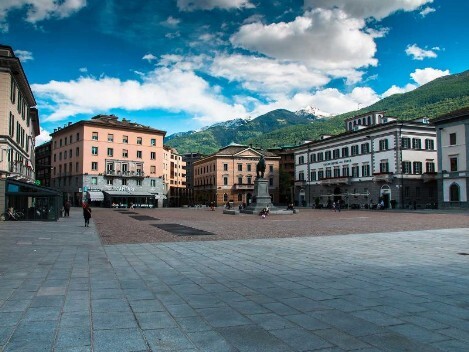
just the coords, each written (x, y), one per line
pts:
(453, 162)
(249, 167)
(240, 197)
(271, 168)
(152, 155)
(417, 167)
(225, 181)
(429, 144)
(328, 172)
(365, 148)
(320, 156)
(430, 166)
(384, 166)
(225, 167)
(383, 144)
(365, 170)
(328, 155)
(124, 182)
(110, 152)
(271, 182)
(354, 150)
(336, 172)
(406, 167)
(312, 158)
(70, 152)
(139, 154)
(240, 180)
(125, 153)
(78, 136)
(94, 150)
(416, 143)
(345, 171)
(454, 193)
(110, 138)
(240, 167)
(13, 91)
(313, 176)
(109, 181)
(139, 140)
(301, 176)
(94, 136)
(65, 155)
(125, 139)
(355, 171)
(94, 180)
(153, 183)
(11, 127)
(77, 151)
(344, 152)
(139, 182)
(225, 197)
(249, 180)
(301, 160)
(153, 169)
(77, 167)
(153, 141)
(320, 174)
(94, 165)
(336, 154)
(452, 139)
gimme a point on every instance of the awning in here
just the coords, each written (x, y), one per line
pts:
(95, 196)
(128, 194)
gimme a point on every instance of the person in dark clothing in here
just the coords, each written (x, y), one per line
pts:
(87, 214)
(67, 206)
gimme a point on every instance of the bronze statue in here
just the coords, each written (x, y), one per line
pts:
(260, 167)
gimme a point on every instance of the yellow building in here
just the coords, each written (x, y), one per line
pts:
(228, 175)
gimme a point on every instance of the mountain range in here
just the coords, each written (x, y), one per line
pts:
(282, 127)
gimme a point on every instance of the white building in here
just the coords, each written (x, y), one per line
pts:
(377, 158)
(453, 152)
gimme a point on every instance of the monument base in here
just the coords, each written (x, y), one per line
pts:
(261, 200)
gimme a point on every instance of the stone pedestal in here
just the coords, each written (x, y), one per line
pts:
(261, 198)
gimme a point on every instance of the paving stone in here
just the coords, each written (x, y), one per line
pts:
(78, 336)
(301, 340)
(155, 320)
(168, 340)
(211, 341)
(121, 340)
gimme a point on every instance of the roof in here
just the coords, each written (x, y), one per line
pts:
(112, 121)
(453, 115)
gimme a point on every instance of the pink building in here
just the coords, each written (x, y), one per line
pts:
(109, 162)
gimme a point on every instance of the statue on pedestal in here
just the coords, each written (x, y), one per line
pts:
(260, 167)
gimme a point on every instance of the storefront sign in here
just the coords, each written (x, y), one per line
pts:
(337, 162)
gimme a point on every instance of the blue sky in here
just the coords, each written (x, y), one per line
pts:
(179, 65)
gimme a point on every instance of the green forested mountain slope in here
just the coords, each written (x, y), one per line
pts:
(282, 127)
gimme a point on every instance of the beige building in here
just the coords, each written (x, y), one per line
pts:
(228, 175)
(109, 162)
(19, 121)
(174, 177)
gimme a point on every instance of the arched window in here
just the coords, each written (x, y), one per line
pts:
(454, 193)
(225, 197)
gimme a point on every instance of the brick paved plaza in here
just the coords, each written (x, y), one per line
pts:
(386, 286)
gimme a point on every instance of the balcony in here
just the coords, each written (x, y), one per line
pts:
(336, 181)
(243, 186)
(127, 174)
(383, 177)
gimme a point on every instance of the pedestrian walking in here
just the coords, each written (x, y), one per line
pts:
(87, 214)
(67, 206)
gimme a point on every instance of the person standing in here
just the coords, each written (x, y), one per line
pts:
(87, 214)
(67, 206)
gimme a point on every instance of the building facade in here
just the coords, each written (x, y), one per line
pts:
(377, 158)
(109, 162)
(228, 175)
(43, 159)
(174, 176)
(286, 173)
(453, 153)
(189, 159)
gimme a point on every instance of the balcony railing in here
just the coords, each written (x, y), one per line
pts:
(241, 186)
(135, 174)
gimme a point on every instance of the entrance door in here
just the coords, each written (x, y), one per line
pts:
(386, 200)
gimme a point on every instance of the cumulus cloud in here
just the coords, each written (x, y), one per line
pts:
(368, 8)
(268, 76)
(149, 57)
(24, 55)
(39, 10)
(427, 10)
(420, 77)
(43, 137)
(419, 53)
(171, 89)
(171, 22)
(192, 5)
(322, 39)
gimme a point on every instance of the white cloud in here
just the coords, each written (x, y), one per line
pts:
(43, 137)
(419, 53)
(165, 88)
(267, 76)
(24, 55)
(427, 10)
(149, 57)
(322, 39)
(192, 5)
(171, 22)
(377, 9)
(422, 76)
(83, 69)
(39, 10)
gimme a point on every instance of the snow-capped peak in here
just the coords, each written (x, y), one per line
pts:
(311, 110)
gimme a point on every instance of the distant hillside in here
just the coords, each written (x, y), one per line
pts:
(282, 127)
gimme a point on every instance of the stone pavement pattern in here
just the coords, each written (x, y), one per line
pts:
(61, 290)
